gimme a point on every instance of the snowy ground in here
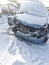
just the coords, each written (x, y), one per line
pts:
(16, 52)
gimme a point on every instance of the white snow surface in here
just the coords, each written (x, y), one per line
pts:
(17, 52)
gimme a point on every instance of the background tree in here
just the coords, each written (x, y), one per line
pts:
(13, 6)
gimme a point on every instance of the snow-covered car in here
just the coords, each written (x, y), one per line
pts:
(30, 22)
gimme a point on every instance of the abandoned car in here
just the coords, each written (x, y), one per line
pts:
(31, 22)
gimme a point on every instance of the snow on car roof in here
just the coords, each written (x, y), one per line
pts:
(38, 11)
(36, 7)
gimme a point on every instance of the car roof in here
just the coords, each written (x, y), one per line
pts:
(35, 7)
(38, 13)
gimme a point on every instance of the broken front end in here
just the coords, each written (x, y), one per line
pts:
(32, 33)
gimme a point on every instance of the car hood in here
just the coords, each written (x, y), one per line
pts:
(32, 20)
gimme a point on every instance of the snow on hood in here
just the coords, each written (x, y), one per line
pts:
(37, 13)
